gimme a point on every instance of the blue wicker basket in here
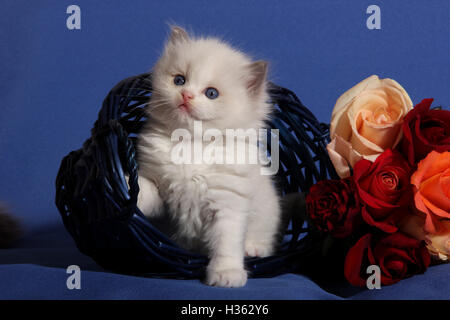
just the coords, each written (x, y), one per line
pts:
(99, 209)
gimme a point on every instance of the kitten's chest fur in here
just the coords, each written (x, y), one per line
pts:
(184, 188)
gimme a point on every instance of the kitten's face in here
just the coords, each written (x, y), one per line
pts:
(205, 79)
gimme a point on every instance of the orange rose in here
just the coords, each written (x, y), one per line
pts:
(366, 120)
(432, 190)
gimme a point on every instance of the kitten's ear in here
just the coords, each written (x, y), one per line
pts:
(257, 74)
(178, 34)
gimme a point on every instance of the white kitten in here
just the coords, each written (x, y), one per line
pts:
(224, 210)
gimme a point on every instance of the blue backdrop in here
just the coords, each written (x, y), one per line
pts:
(53, 80)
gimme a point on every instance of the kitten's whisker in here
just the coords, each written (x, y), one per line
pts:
(141, 89)
(159, 102)
(156, 106)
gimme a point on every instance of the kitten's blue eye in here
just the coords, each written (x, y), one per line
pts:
(179, 80)
(211, 93)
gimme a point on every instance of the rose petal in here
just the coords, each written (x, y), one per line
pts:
(412, 224)
(403, 95)
(383, 136)
(418, 127)
(410, 123)
(439, 244)
(384, 225)
(435, 209)
(432, 190)
(400, 240)
(344, 100)
(434, 163)
(430, 223)
(354, 261)
(369, 137)
(431, 195)
(342, 155)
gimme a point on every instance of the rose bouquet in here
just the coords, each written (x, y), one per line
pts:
(391, 207)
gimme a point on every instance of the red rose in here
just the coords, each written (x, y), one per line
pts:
(425, 130)
(397, 255)
(333, 207)
(384, 189)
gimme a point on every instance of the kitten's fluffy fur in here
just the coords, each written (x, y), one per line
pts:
(227, 211)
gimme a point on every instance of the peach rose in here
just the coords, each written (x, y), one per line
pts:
(438, 244)
(432, 190)
(366, 120)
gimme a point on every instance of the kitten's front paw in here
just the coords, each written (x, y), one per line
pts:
(149, 201)
(258, 249)
(231, 278)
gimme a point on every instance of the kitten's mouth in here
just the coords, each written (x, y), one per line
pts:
(186, 110)
(184, 106)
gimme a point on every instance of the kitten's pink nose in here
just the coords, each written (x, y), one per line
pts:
(187, 95)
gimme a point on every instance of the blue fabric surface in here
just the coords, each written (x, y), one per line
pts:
(53, 80)
(36, 269)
